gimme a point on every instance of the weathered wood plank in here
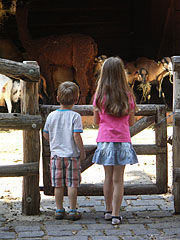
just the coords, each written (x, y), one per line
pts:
(31, 150)
(177, 117)
(176, 63)
(19, 170)
(141, 124)
(25, 72)
(161, 142)
(176, 174)
(176, 130)
(20, 121)
(87, 110)
(97, 190)
(134, 189)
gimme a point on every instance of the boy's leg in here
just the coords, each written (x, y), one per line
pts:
(118, 183)
(59, 195)
(72, 195)
(108, 187)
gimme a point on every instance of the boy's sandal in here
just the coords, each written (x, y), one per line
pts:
(60, 213)
(108, 215)
(74, 215)
(116, 220)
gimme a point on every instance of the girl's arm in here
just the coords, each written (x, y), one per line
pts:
(96, 116)
(131, 118)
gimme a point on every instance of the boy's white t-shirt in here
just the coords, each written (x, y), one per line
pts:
(60, 125)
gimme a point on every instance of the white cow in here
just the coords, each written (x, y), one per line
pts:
(10, 91)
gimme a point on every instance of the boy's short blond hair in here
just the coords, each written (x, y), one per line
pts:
(68, 93)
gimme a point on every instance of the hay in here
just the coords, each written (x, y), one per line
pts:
(146, 88)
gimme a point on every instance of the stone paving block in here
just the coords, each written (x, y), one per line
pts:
(99, 208)
(167, 207)
(59, 232)
(117, 232)
(104, 238)
(164, 225)
(31, 234)
(90, 233)
(86, 204)
(130, 197)
(142, 208)
(68, 238)
(134, 238)
(27, 228)
(28, 238)
(64, 227)
(138, 231)
(140, 220)
(85, 209)
(7, 235)
(149, 197)
(100, 226)
(171, 230)
(146, 202)
(160, 214)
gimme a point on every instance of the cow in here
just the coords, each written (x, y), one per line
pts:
(54, 52)
(148, 72)
(10, 91)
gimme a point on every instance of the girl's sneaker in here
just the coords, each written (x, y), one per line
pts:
(74, 215)
(116, 220)
(108, 215)
(60, 213)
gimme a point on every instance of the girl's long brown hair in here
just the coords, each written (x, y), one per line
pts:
(113, 91)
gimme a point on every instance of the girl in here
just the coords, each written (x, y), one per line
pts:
(114, 107)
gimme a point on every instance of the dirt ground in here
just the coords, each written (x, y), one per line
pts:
(11, 152)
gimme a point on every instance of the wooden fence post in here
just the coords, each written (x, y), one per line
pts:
(161, 141)
(176, 129)
(31, 148)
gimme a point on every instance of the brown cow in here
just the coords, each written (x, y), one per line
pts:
(74, 51)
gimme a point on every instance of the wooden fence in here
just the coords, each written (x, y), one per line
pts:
(152, 114)
(31, 121)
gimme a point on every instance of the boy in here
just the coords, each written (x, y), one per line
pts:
(62, 128)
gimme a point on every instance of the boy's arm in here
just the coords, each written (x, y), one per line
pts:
(79, 143)
(46, 136)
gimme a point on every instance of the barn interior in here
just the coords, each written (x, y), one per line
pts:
(129, 29)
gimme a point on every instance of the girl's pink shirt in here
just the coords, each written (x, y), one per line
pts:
(113, 128)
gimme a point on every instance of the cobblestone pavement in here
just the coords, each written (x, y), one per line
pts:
(144, 217)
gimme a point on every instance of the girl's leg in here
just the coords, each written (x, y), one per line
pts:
(118, 184)
(72, 195)
(59, 195)
(108, 187)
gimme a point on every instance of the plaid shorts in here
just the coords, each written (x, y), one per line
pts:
(65, 171)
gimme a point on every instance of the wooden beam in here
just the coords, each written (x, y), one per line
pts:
(25, 72)
(31, 149)
(176, 174)
(135, 189)
(87, 110)
(20, 121)
(141, 124)
(19, 170)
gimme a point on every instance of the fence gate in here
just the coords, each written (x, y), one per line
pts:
(152, 114)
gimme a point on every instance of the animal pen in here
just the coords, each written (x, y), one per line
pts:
(31, 121)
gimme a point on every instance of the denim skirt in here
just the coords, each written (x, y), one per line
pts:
(114, 153)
